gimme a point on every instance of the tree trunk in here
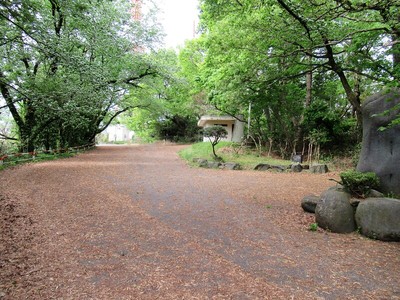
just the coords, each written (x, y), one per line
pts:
(352, 96)
(309, 78)
(396, 50)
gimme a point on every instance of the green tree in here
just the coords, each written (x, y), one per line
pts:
(172, 114)
(215, 134)
(70, 67)
(291, 52)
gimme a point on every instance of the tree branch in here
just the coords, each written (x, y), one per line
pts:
(297, 17)
(131, 80)
(117, 114)
(4, 137)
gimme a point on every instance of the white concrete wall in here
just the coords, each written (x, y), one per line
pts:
(228, 128)
(234, 127)
(238, 132)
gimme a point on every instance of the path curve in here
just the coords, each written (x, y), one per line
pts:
(135, 222)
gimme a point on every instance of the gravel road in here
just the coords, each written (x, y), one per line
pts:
(135, 222)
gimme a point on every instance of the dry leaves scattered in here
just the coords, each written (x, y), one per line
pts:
(137, 223)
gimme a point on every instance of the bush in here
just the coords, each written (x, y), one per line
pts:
(359, 184)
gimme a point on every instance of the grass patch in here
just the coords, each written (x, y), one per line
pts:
(23, 159)
(230, 152)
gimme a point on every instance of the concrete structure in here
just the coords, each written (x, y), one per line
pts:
(234, 127)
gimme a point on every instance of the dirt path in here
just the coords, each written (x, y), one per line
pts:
(137, 223)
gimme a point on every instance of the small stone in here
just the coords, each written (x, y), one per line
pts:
(231, 166)
(297, 168)
(375, 194)
(319, 169)
(309, 203)
(203, 163)
(262, 167)
(213, 164)
(278, 168)
(354, 202)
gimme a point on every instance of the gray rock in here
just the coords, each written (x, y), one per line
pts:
(231, 166)
(298, 158)
(380, 151)
(354, 201)
(320, 169)
(379, 218)
(203, 163)
(334, 212)
(213, 164)
(375, 194)
(262, 167)
(278, 168)
(296, 168)
(309, 203)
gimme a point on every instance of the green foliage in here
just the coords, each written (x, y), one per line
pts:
(73, 67)
(200, 150)
(23, 159)
(327, 127)
(359, 184)
(178, 129)
(313, 227)
(261, 52)
(171, 114)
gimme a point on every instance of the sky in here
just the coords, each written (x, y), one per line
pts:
(177, 18)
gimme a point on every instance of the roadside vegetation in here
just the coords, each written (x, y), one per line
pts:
(23, 159)
(247, 157)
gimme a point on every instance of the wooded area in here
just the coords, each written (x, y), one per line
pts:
(68, 69)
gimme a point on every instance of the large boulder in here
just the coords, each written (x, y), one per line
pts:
(380, 152)
(334, 212)
(379, 218)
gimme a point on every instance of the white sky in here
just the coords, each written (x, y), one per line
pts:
(178, 18)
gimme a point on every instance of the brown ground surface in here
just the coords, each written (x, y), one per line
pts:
(137, 223)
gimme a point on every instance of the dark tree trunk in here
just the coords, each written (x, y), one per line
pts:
(352, 96)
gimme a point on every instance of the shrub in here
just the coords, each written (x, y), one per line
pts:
(359, 184)
(313, 227)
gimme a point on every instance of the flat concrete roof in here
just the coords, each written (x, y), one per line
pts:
(206, 119)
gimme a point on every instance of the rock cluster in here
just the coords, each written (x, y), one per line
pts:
(296, 168)
(337, 211)
(203, 163)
